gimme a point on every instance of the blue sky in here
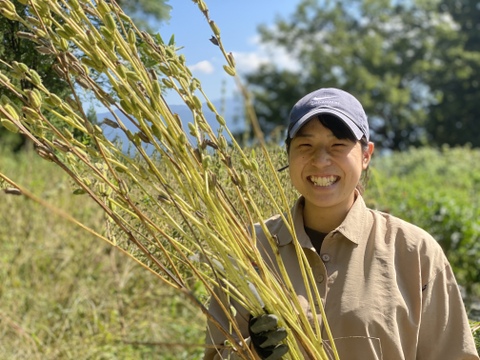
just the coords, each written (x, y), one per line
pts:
(238, 21)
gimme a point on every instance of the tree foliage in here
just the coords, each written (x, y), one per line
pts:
(386, 53)
(456, 78)
(14, 47)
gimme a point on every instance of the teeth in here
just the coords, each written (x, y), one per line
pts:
(323, 181)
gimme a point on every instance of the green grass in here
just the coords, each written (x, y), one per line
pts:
(67, 295)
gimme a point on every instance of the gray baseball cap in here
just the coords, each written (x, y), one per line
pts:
(330, 101)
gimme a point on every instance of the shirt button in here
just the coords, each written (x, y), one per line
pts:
(325, 257)
(320, 278)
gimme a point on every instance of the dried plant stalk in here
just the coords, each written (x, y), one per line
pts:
(181, 195)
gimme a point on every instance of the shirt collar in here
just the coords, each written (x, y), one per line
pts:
(354, 227)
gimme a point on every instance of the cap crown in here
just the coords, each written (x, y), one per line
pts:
(330, 101)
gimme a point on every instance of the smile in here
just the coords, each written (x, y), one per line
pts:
(323, 181)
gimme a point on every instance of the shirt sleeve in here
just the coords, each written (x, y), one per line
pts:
(444, 329)
(216, 345)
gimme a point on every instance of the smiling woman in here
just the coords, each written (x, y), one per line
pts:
(387, 289)
(326, 169)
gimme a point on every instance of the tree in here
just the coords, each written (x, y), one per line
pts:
(17, 48)
(455, 81)
(14, 48)
(383, 52)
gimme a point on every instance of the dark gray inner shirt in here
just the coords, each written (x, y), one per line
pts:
(316, 237)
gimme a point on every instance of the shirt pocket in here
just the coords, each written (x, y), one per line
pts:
(355, 348)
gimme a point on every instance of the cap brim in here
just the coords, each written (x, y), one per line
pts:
(308, 116)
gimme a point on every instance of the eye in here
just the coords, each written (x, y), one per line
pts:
(303, 145)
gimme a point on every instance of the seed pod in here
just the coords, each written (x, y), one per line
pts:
(60, 145)
(210, 106)
(131, 75)
(246, 163)
(126, 106)
(206, 161)
(107, 34)
(10, 15)
(132, 37)
(197, 102)
(12, 112)
(53, 100)
(192, 129)
(45, 50)
(194, 85)
(156, 88)
(34, 97)
(12, 191)
(231, 60)
(40, 33)
(67, 134)
(9, 125)
(44, 152)
(33, 21)
(222, 142)
(20, 67)
(83, 83)
(156, 131)
(182, 139)
(27, 36)
(109, 22)
(214, 28)
(221, 120)
(102, 7)
(35, 78)
(4, 78)
(91, 39)
(168, 83)
(202, 6)
(110, 123)
(64, 45)
(7, 5)
(118, 165)
(143, 137)
(123, 53)
(165, 69)
(69, 29)
(31, 116)
(229, 70)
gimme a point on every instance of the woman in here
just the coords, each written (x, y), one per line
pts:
(387, 288)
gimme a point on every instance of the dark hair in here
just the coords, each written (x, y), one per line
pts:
(340, 131)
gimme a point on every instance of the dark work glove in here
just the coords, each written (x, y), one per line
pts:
(266, 336)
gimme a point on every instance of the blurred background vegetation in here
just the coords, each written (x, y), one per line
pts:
(416, 68)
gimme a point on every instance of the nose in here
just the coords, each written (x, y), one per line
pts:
(321, 157)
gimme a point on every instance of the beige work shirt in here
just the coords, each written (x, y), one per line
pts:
(388, 290)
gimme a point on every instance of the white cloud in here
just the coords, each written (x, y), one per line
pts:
(204, 67)
(265, 54)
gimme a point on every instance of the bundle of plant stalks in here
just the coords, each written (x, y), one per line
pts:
(183, 208)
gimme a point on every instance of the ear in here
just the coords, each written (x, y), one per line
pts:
(367, 155)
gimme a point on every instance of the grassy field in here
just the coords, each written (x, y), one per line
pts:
(65, 294)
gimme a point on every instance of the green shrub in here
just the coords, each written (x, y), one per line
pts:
(436, 190)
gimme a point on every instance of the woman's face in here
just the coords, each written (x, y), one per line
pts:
(325, 169)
